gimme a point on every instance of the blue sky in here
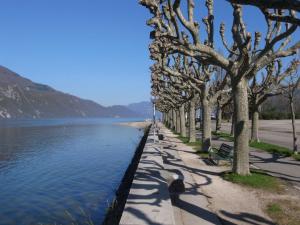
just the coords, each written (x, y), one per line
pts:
(90, 48)
(95, 49)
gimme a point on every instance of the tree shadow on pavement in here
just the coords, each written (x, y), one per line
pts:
(142, 216)
(243, 217)
(195, 210)
(274, 158)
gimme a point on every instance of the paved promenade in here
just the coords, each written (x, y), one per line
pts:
(207, 198)
(149, 201)
(192, 206)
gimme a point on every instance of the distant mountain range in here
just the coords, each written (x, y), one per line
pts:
(142, 108)
(21, 98)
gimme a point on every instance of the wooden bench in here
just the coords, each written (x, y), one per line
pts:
(225, 152)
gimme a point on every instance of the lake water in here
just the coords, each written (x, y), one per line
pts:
(60, 171)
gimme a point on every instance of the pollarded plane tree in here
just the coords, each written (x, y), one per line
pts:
(277, 10)
(163, 105)
(200, 81)
(172, 67)
(178, 100)
(157, 50)
(178, 71)
(177, 92)
(224, 98)
(221, 103)
(264, 87)
(289, 87)
(249, 54)
(210, 87)
(174, 95)
(185, 90)
(200, 78)
(166, 105)
(160, 86)
(164, 98)
(175, 74)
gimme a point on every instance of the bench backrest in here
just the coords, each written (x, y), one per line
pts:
(225, 150)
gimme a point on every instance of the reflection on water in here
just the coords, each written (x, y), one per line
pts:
(59, 170)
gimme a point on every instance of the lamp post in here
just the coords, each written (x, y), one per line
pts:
(153, 100)
(154, 110)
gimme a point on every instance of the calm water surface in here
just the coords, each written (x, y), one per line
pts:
(60, 171)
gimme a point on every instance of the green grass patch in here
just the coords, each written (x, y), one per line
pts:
(257, 179)
(296, 156)
(223, 135)
(274, 149)
(274, 208)
(183, 139)
(284, 212)
(196, 145)
(203, 154)
(174, 131)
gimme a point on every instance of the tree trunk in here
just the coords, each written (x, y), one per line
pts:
(241, 135)
(254, 126)
(295, 146)
(182, 121)
(219, 119)
(170, 119)
(198, 124)
(177, 122)
(174, 120)
(232, 124)
(192, 127)
(206, 121)
(167, 119)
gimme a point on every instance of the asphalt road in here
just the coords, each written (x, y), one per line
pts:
(278, 132)
(286, 168)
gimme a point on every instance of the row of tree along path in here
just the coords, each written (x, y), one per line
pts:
(189, 71)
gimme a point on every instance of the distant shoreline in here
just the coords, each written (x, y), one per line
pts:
(136, 124)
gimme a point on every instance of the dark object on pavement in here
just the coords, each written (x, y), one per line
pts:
(177, 185)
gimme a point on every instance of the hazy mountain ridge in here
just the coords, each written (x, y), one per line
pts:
(22, 98)
(144, 108)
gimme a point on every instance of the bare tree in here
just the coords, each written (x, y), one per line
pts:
(223, 99)
(283, 10)
(265, 87)
(175, 92)
(198, 77)
(247, 55)
(292, 84)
